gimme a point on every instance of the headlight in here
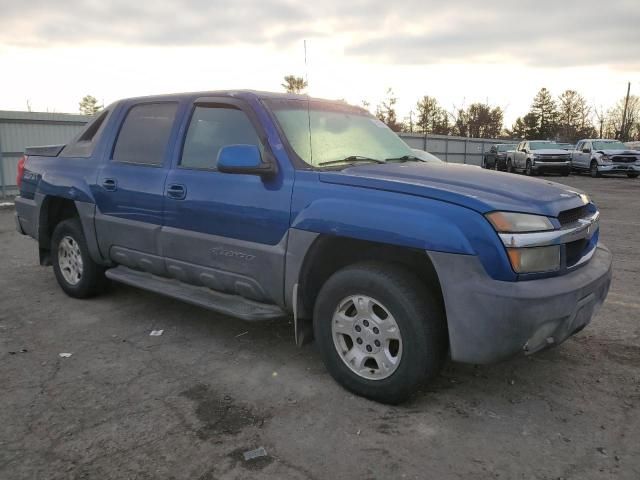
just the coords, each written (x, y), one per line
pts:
(510, 222)
(535, 259)
(605, 159)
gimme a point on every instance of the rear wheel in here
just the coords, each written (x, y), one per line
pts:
(632, 175)
(78, 275)
(593, 169)
(381, 332)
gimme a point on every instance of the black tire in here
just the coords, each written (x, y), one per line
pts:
(495, 166)
(510, 166)
(92, 280)
(632, 175)
(417, 313)
(593, 169)
(528, 171)
(565, 173)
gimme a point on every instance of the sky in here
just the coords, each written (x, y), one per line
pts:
(53, 52)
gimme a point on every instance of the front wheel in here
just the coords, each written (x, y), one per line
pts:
(78, 275)
(528, 171)
(509, 166)
(380, 330)
(593, 169)
(632, 175)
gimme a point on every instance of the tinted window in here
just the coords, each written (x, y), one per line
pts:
(212, 128)
(145, 133)
(84, 144)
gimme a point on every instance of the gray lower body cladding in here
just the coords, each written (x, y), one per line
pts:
(491, 320)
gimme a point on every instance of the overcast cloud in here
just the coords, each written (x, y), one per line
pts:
(540, 33)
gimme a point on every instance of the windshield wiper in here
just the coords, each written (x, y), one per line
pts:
(350, 160)
(404, 158)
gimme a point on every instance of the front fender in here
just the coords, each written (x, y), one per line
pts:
(406, 221)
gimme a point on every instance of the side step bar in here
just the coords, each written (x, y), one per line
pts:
(224, 303)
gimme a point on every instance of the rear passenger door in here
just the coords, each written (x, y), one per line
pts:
(129, 189)
(225, 231)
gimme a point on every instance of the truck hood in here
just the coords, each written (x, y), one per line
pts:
(619, 152)
(475, 188)
(551, 151)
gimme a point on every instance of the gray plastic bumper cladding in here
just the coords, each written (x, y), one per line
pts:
(491, 320)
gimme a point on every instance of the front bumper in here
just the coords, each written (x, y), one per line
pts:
(539, 166)
(619, 168)
(491, 320)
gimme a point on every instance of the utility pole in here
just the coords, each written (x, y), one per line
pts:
(623, 132)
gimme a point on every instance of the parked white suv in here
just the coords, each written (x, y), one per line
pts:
(538, 156)
(598, 156)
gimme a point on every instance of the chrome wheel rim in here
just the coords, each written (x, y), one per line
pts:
(70, 260)
(366, 337)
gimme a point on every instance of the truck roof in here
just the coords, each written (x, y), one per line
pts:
(244, 94)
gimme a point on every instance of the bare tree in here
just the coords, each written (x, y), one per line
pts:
(573, 117)
(386, 111)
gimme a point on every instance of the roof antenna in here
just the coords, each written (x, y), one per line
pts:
(306, 74)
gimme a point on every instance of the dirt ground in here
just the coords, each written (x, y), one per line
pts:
(187, 404)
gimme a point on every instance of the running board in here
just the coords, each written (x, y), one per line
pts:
(232, 305)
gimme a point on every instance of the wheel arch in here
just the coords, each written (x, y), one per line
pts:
(53, 210)
(328, 254)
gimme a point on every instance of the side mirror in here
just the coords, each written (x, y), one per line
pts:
(586, 150)
(244, 159)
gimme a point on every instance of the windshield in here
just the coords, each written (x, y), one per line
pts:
(609, 145)
(506, 147)
(543, 145)
(340, 133)
(425, 156)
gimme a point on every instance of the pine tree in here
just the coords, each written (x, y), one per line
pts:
(89, 105)
(546, 112)
(293, 84)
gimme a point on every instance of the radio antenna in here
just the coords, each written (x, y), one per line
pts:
(306, 74)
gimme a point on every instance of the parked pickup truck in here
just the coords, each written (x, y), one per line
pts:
(605, 156)
(496, 157)
(539, 156)
(263, 205)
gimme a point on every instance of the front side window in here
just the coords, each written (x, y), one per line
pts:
(212, 128)
(326, 133)
(144, 135)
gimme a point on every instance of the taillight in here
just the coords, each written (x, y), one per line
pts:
(20, 173)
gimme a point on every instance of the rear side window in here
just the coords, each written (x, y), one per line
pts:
(84, 144)
(145, 134)
(212, 128)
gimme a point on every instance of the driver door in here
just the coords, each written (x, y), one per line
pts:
(225, 231)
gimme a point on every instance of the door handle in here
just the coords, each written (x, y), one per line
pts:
(177, 191)
(110, 184)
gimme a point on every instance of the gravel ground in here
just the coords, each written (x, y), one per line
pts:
(187, 404)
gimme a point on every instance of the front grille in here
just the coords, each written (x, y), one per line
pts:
(573, 215)
(620, 159)
(575, 250)
(553, 158)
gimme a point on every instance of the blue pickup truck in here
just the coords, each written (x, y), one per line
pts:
(261, 205)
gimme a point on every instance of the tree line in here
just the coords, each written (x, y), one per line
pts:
(566, 118)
